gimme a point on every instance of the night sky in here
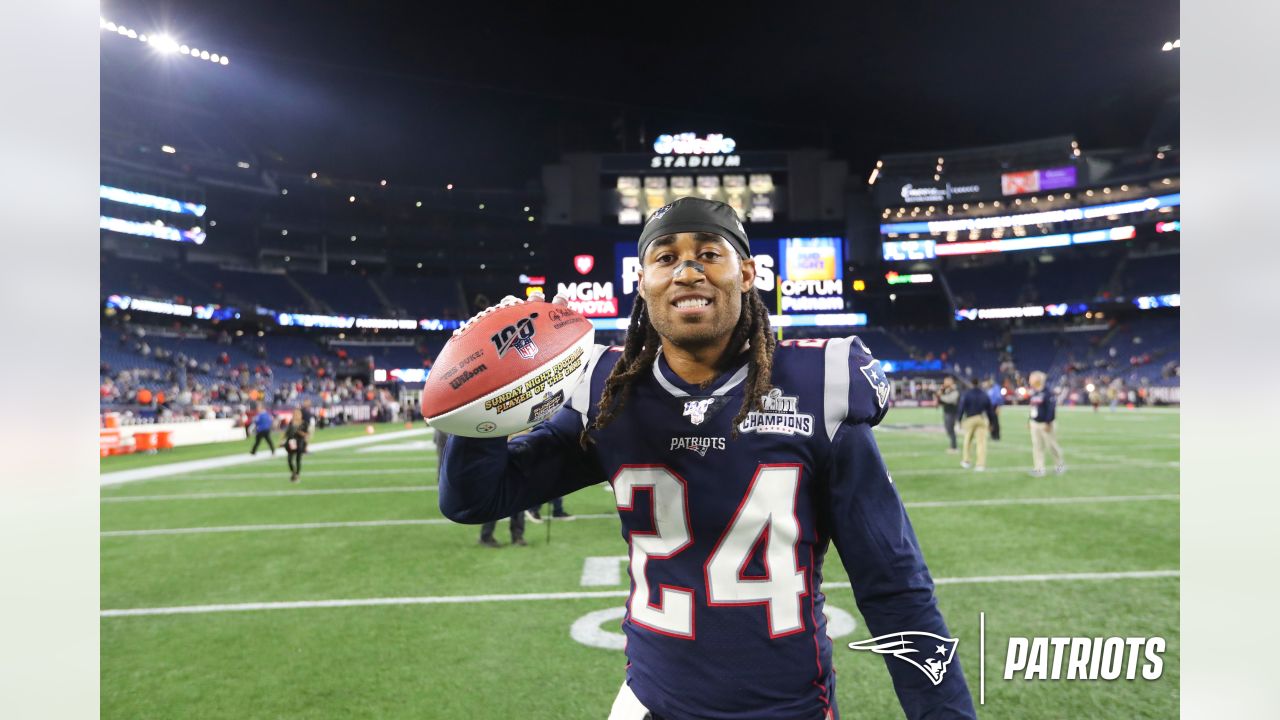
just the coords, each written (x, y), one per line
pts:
(483, 95)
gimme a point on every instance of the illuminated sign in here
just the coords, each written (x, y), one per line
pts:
(933, 193)
(892, 366)
(1151, 302)
(816, 258)
(1041, 218)
(584, 263)
(916, 279)
(1027, 311)
(693, 161)
(691, 144)
(1168, 227)
(1030, 181)
(157, 230)
(590, 299)
(533, 279)
(124, 302)
(930, 249)
(155, 202)
(404, 375)
(909, 250)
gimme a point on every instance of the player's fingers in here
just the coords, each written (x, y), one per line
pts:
(537, 296)
(560, 299)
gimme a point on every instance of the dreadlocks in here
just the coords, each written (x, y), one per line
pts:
(641, 348)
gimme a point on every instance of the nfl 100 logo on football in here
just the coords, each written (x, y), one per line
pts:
(781, 416)
(518, 336)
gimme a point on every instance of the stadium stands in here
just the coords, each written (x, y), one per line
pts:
(422, 296)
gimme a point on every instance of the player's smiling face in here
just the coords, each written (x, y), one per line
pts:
(692, 284)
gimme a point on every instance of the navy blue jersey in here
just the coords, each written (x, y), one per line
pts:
(728, 536)
(1042, 406)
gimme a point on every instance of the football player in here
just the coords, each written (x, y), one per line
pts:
(735, 462)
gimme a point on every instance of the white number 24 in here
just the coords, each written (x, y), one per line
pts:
(769, 510)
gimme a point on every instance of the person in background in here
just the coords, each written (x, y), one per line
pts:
(262, 424)
(976, 417)
(439, 437)
(1042, 436)
(997, 399)
(295, 443)
(948, 398)
(534, 514)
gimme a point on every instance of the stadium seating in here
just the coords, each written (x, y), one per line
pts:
(423, 297)
(342, 293)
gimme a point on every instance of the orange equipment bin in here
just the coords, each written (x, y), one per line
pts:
(164, 440)
(144, 441)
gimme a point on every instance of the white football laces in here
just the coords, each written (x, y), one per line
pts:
(504, 302)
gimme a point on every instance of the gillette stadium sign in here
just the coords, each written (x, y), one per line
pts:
(933, 193)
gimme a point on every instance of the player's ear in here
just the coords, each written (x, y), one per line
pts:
(640, 284)
(748, 274)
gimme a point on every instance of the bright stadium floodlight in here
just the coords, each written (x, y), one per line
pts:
(163, 42)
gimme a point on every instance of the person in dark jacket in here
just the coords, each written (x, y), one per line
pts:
(949, 399)
(295, 443)
(977, 415)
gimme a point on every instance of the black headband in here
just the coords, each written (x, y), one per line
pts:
(693, 214)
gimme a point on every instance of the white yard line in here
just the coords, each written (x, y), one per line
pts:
(581, 595)
(1039, 501)
(603, 516)
(1024, 469)
(189, 466)
(268, 493)
(306, 473)
(303, 526)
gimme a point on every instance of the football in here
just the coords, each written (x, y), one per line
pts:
(507, 369)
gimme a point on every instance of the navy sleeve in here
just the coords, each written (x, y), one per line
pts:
(991, 410)
(483, 479)
(891, 583)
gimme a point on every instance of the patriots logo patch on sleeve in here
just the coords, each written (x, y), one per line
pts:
(878, 380)
(931, 654)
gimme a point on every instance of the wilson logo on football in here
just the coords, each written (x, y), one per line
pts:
(518, 336)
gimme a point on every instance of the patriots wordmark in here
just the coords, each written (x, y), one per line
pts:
(699, 445)
(929, 653)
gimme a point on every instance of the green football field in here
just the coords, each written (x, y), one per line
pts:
(349, 596)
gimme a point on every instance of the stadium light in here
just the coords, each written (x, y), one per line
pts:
(168, 149)
(162, 42)
(1171, 45)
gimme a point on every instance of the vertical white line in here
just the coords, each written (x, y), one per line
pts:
(982, 658)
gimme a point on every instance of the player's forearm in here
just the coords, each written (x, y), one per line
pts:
(473, 480)
(482, 480)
